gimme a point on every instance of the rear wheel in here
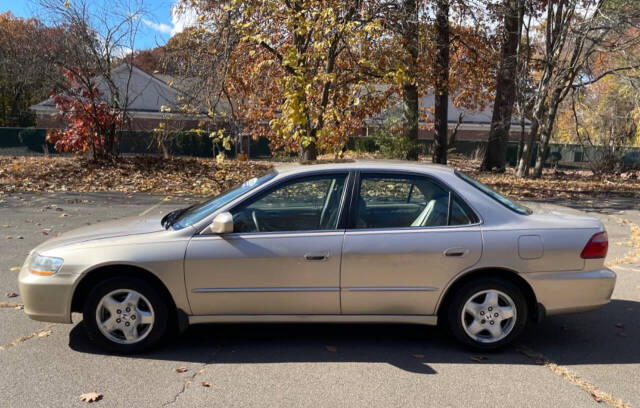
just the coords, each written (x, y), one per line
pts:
(488, 313)
(125, 315)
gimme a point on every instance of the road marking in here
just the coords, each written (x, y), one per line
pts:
(153, 207)
(44, 332)
(571, 376)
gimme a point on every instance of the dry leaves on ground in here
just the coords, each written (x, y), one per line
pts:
(127, 174)
(91, 397)
(479, 358)
(182, 370)
(568, 184)
(206, 384)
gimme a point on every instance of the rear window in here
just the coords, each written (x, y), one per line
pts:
(512, 205)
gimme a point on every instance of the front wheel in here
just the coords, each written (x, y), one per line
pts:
(125, 315)
(488, 313)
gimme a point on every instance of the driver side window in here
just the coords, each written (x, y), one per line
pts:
(310, 203)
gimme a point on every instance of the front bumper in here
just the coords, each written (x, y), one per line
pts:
(47, 298)
(569, 292)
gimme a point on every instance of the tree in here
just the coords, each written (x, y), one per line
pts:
(101, 35)
(495, 156)
(91, 123)
(410, 98)
(27, 73)
(575, 34)
(441, 84)
(296, 66)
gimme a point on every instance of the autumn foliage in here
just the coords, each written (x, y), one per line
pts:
(90, 123)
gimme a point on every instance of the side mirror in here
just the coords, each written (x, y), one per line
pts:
(222, 223)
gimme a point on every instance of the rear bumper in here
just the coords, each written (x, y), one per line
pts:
(570, 292)
(47, 298)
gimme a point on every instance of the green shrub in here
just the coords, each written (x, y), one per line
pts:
(391, 143)
(365, 145)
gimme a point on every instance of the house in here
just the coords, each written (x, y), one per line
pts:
(147, 95)
(471, 125)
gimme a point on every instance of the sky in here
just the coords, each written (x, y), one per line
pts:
(158, 25)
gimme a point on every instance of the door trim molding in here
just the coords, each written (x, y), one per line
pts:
(429, 320)
(266, 289)
(392, 289)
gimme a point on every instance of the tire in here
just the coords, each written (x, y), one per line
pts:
(477, 314)
(112, 302)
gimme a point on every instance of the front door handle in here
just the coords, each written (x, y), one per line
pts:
(456, 252)
(315, 257)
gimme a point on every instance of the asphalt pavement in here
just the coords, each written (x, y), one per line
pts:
(577, 360)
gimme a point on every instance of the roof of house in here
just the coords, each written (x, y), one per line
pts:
(146, 93)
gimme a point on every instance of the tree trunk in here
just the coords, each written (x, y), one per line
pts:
(410, 97)
(309, 152)
(545, 133)
(410, 111)
(441, 91)
(496, 154)
(527, 149)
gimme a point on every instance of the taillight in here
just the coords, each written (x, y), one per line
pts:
(596, 247)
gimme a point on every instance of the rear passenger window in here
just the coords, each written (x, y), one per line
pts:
(397, 201)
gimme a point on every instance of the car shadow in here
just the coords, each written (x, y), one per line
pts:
(588, 338)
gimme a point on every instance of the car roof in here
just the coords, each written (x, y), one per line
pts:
(397, 165)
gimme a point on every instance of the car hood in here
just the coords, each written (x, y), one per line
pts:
(102, 230)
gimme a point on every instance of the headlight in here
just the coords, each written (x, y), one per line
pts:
(45, 265)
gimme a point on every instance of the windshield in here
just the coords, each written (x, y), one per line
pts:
(512, 205)
(195, 213)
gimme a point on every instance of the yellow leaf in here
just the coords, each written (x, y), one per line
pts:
(91, 397)
(66, 4)
(14, 268)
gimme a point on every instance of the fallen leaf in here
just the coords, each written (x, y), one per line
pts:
(91, 397)
(182, 370)
(331, 349)
(46, 231)
(14, 268)
(417, 355)
(596, 398)
(479, 358)
(19, 307)
(44, 333)
(620, 325)
(12, 294)
(63, 215)
(206, 384)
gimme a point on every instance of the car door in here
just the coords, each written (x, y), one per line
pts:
(408, 235)
(282, 258)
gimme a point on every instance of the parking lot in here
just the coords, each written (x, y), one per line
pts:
(569, 361)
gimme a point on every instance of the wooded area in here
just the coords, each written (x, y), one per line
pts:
(307, 73)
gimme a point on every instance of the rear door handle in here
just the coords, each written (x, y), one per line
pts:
(315, 257)
(457, 252)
